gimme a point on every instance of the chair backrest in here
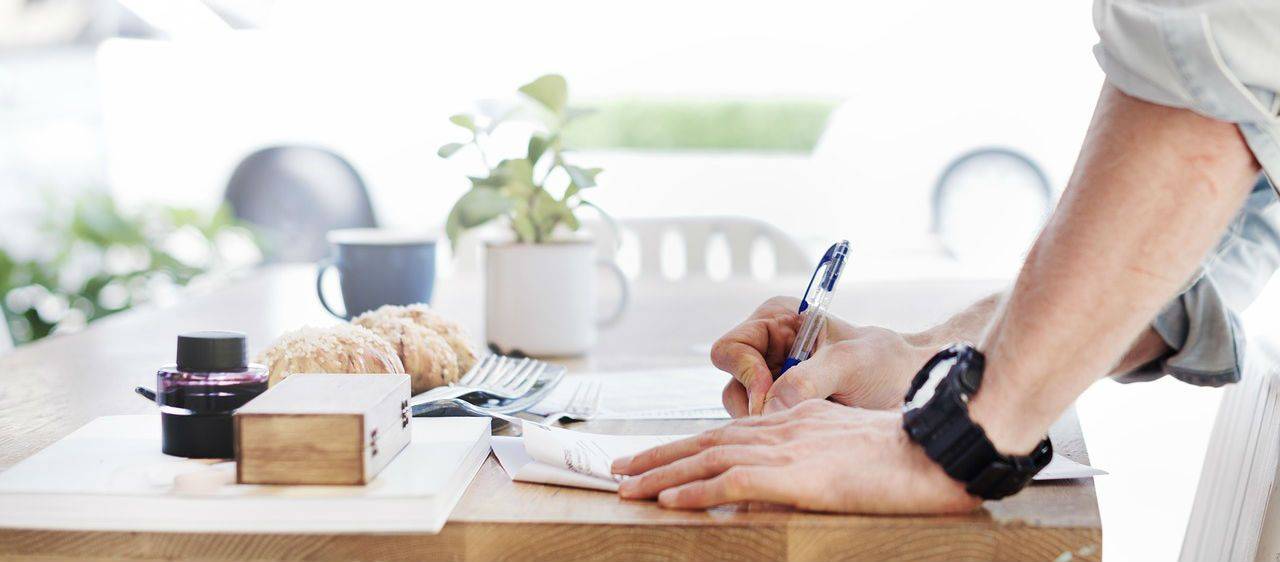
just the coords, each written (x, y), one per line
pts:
(649, 239)
(293, 195)
(695, 236)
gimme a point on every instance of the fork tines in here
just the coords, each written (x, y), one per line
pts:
(506, 374)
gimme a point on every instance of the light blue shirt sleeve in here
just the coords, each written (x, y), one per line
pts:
(1202, 325)
(1221, 59)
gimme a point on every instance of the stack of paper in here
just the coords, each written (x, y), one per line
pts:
(1236, 514)
(111, 476)
(553, 455)
(687, 393)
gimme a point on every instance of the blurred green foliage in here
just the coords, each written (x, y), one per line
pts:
(93, 259)
(764, 125)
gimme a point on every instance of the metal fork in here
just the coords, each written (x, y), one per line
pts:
(479, 411)
(583, 405)
(496, 376)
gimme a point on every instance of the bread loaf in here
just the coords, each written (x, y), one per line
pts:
(422, 316)
(426, 356)
(338, 349)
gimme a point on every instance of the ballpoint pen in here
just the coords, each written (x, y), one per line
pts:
(813, 305)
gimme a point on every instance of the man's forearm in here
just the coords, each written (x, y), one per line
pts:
(968, 325)
(1152, 190)
(971, 323)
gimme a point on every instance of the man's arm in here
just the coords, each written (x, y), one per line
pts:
(1153, 189)
(863, 366)
(1195, 338)
(971, 324)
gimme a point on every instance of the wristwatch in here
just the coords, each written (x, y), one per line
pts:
(936, 417)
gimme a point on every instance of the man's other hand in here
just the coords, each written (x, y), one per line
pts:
(817, 456)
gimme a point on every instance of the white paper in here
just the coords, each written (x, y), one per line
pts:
(553, 455)
(1061, 468)
(563, 457)
(686, 393)
(111, 475)
(521, 467)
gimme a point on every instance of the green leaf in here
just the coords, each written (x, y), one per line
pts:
(570, 219)
(490, 181)
(543, 209)
(547, 213)
(572, 190)
(515, 176)
(550, 90)
(608, 221)
(582, 177)
(465, 121)
(473, 209)
(480, 206)
(449, 149)
(453, 227)
(525, 231)
(537, 147)
(514, 170)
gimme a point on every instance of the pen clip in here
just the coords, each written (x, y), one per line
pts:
(826, 258)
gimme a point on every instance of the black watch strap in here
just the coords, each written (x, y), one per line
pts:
(942, 426)
(965, 453)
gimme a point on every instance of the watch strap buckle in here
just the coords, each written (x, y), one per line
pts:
(1008, 474)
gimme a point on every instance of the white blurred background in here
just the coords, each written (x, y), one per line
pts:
(933, 135)
(907, 89)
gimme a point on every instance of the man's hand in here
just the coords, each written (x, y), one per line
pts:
(817, 456)
(859, 366)
(870, 367)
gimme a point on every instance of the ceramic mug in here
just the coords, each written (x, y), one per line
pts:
(377, 267)
(540, 299)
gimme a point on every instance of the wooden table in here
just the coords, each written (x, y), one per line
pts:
(49, 388)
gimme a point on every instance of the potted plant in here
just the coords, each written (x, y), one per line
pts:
(540, 293)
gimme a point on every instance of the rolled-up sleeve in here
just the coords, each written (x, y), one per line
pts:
(1219, 58)
(1202, 325)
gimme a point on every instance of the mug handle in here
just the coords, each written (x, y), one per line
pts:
(323, 266)
(624, 289)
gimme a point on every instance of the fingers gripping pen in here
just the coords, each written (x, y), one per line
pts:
(813, 305)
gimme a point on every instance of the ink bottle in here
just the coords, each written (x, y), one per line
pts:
(197, 394)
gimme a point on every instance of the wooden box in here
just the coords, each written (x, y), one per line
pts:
(322, 429)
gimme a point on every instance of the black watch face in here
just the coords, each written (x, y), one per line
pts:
(925, 392)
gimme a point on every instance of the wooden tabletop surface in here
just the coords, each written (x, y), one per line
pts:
(49, 388)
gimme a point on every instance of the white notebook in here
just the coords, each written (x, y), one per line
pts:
(111, 476)
(553, 455)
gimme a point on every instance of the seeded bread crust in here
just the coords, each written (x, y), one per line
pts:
(423, 316)
(340, 349)
(426, 356)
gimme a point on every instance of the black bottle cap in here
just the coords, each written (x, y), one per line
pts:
(212, 351)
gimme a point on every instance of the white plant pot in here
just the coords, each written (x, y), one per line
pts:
(540, 299)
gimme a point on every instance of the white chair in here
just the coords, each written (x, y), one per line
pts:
(741, 236)
(648, 238)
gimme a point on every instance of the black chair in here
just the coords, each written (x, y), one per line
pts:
(293, 195)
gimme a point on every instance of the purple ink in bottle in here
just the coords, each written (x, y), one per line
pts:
(198, 394)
